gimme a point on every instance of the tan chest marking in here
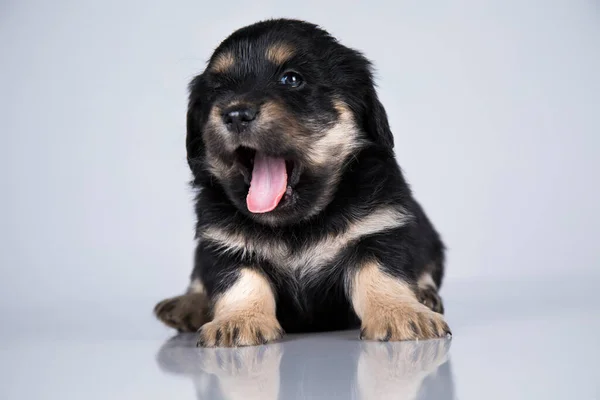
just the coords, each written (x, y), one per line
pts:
(311, 257)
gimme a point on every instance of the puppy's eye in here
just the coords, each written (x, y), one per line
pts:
(291, 79)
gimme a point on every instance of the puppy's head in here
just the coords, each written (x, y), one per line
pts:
(277, 114)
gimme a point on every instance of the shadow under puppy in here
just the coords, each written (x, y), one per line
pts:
(304, 220)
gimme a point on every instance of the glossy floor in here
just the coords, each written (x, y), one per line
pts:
(517, 340)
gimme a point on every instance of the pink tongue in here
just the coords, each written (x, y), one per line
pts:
(268, 184)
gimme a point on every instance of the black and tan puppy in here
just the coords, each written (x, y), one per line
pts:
(305, 222)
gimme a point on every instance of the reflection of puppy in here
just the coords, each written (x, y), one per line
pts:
(367, 370)
(246, 373)
(305, 222)
(397, 370)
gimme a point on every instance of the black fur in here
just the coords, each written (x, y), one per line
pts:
(370, 178)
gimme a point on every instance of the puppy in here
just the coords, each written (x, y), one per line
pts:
(304, 220)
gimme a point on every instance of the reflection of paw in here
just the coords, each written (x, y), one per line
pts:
(406, 358)
(186, 313)
(431, 298)
(179, 355)
(243, 329)
(397, 370)
(242, 362)
(249, 373)
(403, 322)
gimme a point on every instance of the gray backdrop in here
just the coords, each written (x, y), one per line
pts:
(494, 106)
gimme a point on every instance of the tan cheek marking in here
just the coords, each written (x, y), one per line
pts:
(338, 142)
(217, 167)
(215, 120)
(279, 53)
(222, 63)
(274, 114)
(271, 111)
(333, 150)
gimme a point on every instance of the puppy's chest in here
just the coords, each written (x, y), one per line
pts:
(300, 258)
(302, 255)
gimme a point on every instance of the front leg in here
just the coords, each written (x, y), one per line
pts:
(243, 313)
(389, 309)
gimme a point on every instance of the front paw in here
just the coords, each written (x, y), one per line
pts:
(240, 329)
(403, 322)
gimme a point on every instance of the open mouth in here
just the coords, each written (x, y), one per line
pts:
(271, 178)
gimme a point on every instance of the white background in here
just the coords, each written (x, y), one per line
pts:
(495, 107)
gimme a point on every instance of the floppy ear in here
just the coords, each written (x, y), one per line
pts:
(193, 141)
(376, 121)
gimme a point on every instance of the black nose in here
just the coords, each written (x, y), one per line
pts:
(239, 118)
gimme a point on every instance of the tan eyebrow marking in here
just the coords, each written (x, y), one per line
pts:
(279, 53)
(222, 62)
